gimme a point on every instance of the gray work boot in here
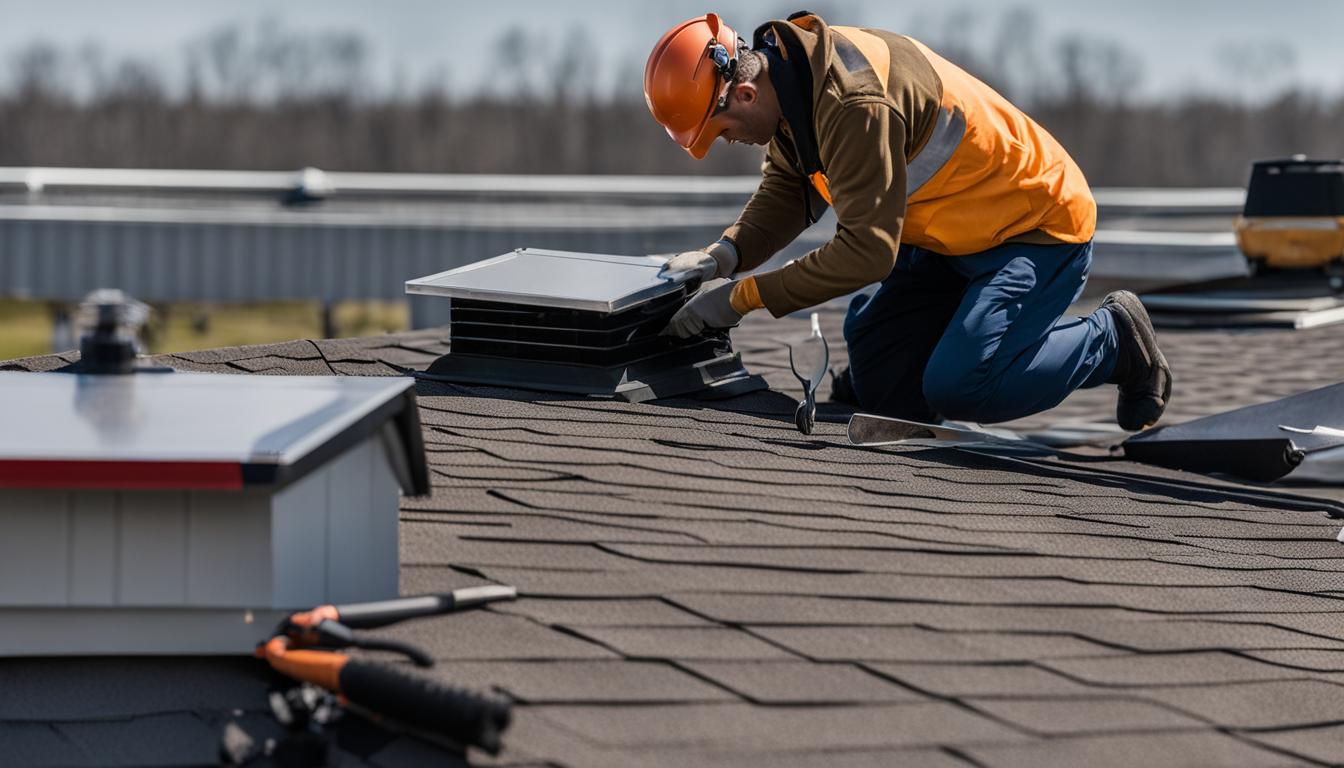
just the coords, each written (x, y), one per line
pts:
(1141, 370)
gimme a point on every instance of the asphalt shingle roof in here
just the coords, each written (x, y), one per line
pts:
(702, 585)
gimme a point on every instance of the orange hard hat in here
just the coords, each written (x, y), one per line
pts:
(687, 77)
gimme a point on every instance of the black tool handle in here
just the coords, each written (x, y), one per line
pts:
(384, 612)
(464, 716)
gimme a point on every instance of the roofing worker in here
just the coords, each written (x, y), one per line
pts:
(975, 221)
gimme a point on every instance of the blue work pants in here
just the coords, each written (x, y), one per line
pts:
(977, 338)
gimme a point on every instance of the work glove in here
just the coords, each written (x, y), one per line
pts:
(706, 310)
(717, 260)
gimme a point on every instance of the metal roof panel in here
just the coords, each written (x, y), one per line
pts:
(178, 429)
(562, 279)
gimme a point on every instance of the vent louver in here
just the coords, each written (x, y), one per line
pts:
(577, 323)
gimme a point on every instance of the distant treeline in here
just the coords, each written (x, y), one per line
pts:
(275, 100)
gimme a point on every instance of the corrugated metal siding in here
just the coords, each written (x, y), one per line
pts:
(222, 247)
(63, 260)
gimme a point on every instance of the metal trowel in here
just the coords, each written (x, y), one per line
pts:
(810, 358)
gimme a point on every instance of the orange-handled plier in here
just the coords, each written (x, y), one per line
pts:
(303, 649)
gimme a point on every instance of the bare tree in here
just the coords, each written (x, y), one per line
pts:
(40, 71)
(262, 96)
(1014, 59)
(1253, 66)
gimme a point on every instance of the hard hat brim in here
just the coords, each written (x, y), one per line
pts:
(699, 146)
(699, 142)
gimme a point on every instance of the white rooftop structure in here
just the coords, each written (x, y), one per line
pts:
(187, 513)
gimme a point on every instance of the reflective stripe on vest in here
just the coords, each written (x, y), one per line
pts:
(948, 129)
(943, 142)
(986, 174)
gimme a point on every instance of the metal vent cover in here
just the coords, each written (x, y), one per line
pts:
(592, 282)
(578, 323)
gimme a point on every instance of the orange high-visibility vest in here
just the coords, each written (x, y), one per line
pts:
(987, 174)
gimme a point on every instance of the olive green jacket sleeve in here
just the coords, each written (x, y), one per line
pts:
(864, 154)
(774, 216)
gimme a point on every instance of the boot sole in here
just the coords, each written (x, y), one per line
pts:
(1140, 413)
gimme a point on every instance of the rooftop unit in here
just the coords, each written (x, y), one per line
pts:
(1294, 213)
(578, 323)
(1291, 232)
(162, 513)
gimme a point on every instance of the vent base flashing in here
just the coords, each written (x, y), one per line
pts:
(720, 374)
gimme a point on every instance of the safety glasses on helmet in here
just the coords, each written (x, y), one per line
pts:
(725, 64)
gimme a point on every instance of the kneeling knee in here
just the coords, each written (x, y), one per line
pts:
(951, 394)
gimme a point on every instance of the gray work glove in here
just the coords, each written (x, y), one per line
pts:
(717, 260)
(707, 309)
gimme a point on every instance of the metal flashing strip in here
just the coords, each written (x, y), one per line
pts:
(188, 430)
(593, 282)
(1294, 320)
(1283, 300)
(122, 475)
(706, 367)
(1247, 302)
(332, 422)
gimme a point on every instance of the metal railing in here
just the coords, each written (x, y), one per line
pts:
(324, 184)
(232, 236)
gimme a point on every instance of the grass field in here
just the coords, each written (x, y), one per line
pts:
(25, 326)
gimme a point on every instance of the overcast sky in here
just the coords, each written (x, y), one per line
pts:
(1182, 44)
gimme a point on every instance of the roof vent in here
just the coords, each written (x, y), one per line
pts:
(311, 185)
(110, 322)
(580, 323)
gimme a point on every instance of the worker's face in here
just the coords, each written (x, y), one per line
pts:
(749, 118)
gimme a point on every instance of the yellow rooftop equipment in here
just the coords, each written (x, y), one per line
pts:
(1294, 214)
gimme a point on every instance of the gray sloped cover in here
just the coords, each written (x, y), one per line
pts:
(563, 279)
(1249, 442)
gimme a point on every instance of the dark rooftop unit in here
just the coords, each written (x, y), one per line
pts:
(1291, 232)
(578, 323)
(1296, 187)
